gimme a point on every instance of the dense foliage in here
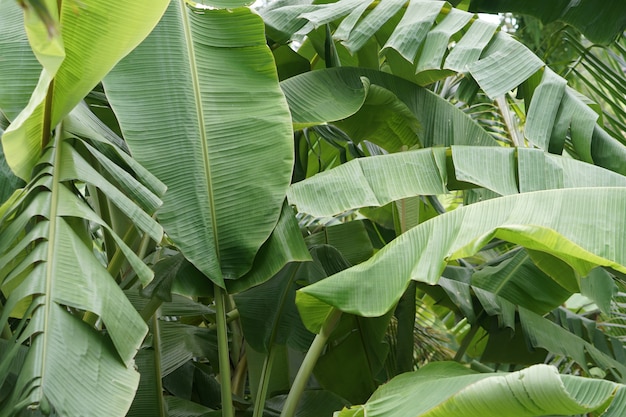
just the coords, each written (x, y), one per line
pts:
(352, 208)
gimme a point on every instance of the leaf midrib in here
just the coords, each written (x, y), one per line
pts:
(52, 237)
(200, 115)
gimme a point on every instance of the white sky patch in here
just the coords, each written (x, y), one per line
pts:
(491, 18)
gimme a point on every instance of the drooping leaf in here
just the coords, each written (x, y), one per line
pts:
(50, 270)
(85, 37)
(20, 69)
(181, 342)
(268, 311)
(451, 390)
(223, 124)
(326, 85)
(355, 356)
(350, 239)
(563, 223)
(9, 183)
(374, 181)
(284, 245)
(566, 341)
(520, 282)
(307, 96)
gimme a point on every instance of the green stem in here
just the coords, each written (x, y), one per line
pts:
(230, 316)
(223, 351)
(6, 329)
(156, 345)
(466, 342)
(239, 376)
(236, 338)
(405, 313)
(308, 364)
(266, 373)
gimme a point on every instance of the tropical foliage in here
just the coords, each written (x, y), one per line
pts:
(350, 208)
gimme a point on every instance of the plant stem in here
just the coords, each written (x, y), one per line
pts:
(289, 410)
(239, 376)
(405, 313)
(6, 329)
(156, 345)
(236, 338)
(223, 351)
(466, 342)
(230, 316)
(259, 402)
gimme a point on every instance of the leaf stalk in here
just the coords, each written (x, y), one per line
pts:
(223, 351)
(306, 369)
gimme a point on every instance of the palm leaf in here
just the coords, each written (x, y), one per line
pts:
(218, 133)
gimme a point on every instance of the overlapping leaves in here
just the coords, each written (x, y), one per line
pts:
(68, 330)
(451, 390)
(51, 278)
(428, 40)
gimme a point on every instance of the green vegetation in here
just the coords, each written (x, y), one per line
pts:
(351, 208)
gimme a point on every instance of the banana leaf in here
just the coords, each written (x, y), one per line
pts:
(608, 21)
(374, 181)
(451, 390)
(563, 223)
(200, 107)
(420, 42)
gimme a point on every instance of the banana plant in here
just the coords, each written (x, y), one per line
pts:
(224, 124)
(57, 294)
(152, 242)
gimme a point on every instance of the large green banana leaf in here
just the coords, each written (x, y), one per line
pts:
(447, 389)
(20, 69)
(55, 284)
(8, 181)
(564, 223)
(48, 270)
(426, 41)
(73, 62)
(200, 107)
(374, 181)
(608, 22)
(338, 93)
